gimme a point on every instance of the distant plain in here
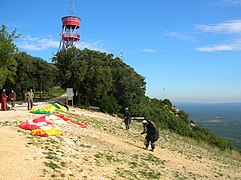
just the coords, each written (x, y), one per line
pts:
(222, 119)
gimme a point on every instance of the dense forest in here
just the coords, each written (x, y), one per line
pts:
(98, 79)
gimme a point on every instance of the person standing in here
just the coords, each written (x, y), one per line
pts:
(12, 97)
(3, 100)
(127, 118)
(152, 133)
(29, 96)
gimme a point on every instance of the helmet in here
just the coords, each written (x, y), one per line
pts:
(144, 122)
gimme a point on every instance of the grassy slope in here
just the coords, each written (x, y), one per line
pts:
(106, 151)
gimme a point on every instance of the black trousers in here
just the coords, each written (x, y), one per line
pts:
(30, 104)
(127, 122)
(151, 138)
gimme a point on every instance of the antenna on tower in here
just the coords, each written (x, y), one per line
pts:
(71, 7)
(121, 54)
(164, 93)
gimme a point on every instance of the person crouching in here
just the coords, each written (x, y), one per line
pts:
(152, 133)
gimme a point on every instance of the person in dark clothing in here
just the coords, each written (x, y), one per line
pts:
(12, 97)
(152, 133)
(127, 118)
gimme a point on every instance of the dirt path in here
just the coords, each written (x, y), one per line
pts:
(17, 159)
(104, 150)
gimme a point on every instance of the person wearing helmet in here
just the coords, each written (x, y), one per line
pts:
(152, 133)
(127, 118)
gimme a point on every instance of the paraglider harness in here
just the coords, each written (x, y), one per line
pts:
(152, 133)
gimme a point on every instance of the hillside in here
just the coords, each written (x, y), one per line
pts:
(104, 150)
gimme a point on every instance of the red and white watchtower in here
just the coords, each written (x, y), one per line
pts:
(69, 25)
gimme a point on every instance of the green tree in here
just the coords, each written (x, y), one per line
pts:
(109, 104)
(71, 69)
(44, 74)
(168, 103)
(34, 73)
(7, 53)
(78, 72)
(97, 82)
(95, 75)
(25, 73)
(128, 86)
(184, 116)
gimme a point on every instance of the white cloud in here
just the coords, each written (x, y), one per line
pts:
(228, 27)
(179, 36)
(37, 44)
(232, 27)
(93, 45)
(233, 2)
(148, 50)
(233, 46)
(216, 48)
(40, 44)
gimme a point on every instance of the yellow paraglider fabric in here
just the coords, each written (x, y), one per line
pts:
(49, 132)
(49, 109)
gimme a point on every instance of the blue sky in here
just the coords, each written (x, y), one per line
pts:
(188, 50)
